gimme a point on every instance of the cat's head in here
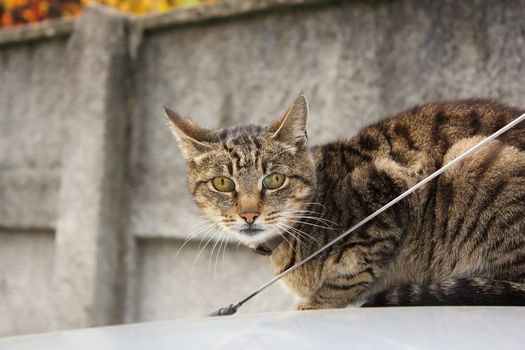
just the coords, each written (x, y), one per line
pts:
(252, 181)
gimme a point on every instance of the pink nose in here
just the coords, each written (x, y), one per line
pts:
(250, 216)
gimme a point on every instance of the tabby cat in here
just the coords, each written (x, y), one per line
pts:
(460, 240)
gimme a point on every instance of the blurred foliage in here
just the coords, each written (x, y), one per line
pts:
(16, 12)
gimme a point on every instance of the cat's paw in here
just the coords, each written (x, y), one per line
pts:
(309, 305)
(317, 305)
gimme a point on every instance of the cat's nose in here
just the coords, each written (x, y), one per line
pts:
(249, 216)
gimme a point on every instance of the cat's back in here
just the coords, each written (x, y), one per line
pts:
(435, 127)
(415, 140)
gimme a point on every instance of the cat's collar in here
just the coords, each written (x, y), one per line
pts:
(267, 247)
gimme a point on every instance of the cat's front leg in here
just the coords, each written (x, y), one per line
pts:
(327, 297)
(341, 291)
(354, 266)
(311, 305)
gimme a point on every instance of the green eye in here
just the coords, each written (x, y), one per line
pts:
(223, 184)
(273, 181)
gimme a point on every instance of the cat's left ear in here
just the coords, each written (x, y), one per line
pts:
(193, 140)
(291, 128)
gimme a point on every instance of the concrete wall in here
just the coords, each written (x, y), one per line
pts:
(25, 285)
(93, 201)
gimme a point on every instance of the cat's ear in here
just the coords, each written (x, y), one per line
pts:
(291, 128)
(193, 139)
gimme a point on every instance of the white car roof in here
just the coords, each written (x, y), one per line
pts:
(355, 328)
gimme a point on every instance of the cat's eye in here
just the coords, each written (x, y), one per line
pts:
(273, 181)
(223, 184)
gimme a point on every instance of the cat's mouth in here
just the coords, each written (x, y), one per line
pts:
(251, 230)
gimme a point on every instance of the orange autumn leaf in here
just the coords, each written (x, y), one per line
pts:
(17, 12)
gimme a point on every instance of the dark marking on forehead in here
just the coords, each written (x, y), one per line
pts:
(243, 144)
(257, 149)
(264, 166)
(229, 165)
(237, 158)
(257, 143)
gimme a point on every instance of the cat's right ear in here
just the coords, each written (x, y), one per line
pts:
(193, 140)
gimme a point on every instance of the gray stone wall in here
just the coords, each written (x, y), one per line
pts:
(93, 201)
(26, 259)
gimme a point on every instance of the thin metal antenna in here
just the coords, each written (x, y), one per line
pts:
(230, 310)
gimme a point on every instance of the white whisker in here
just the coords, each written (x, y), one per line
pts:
(202, 249)
(213, 248)
(291, 234)
(301, 233)
(310, 224)
(204, 229)
(306, 216)
(224, 248)
(306, 220)
(315, 203)
(218, 253)
(196, 225)
(284, 237)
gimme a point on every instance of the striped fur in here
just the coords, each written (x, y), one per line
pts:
(458, 241)
(455, 292)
